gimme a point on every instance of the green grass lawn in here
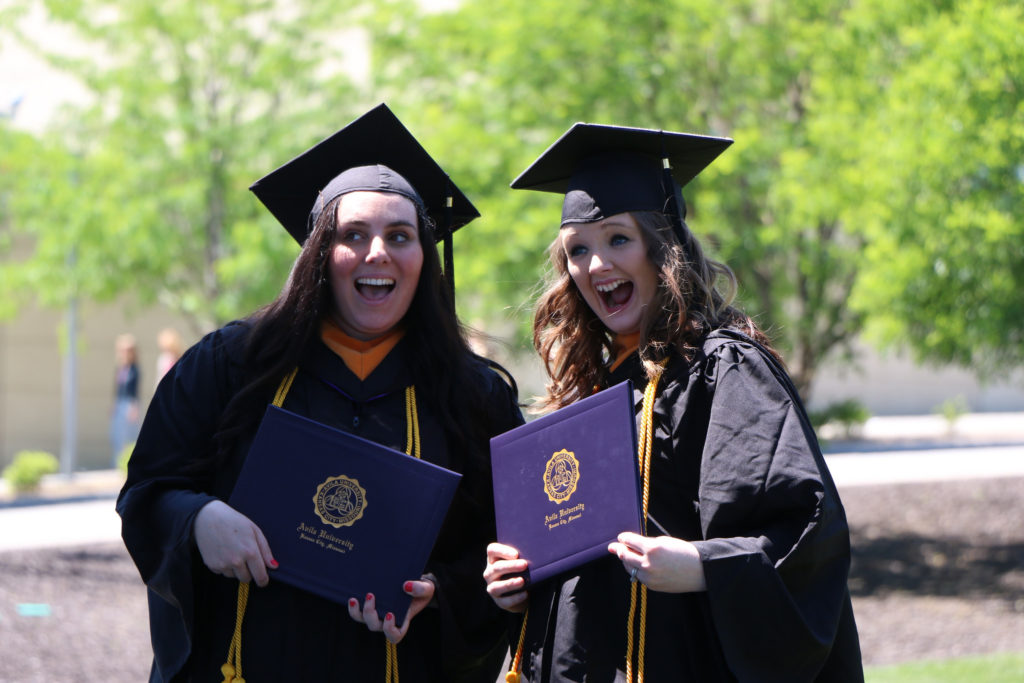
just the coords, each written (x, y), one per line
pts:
(1002, 668)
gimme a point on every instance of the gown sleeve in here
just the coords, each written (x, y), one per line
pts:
(163, 492)
(473, 629)
(776, 549)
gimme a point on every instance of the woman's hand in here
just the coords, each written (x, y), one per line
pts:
(422, 593)
(502, 560)
(662, 563)
(232, 545)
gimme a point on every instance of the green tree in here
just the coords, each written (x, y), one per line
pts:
(191, 102)
(940, 160)
(497, 81)
(840, 202)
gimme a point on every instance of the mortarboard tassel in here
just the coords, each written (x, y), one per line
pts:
(672, 208)
(675, 212)
(449, 251)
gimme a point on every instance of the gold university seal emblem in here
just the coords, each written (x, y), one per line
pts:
(561, 475)
(339, 501)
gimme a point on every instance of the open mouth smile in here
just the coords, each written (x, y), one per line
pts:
(375, 288)
(615, 294)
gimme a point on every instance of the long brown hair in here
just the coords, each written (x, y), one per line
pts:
(694, 297)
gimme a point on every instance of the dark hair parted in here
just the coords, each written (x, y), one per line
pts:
(688, 304)
(283, 330)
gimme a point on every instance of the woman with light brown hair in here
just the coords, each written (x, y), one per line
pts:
(740, 572)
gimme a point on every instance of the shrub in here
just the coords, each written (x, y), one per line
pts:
(952, 409)
(28, 468)
(125, 456)
(844, 416)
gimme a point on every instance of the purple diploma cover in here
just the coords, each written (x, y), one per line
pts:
(566, 484)
(344, 516)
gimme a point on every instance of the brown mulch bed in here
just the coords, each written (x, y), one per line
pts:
(938, 568)
(938, 572)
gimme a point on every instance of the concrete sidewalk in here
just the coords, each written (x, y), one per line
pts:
(79, 509)
(922, 448)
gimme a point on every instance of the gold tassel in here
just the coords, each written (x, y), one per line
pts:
(638, 592)
(513, 674)
(232, 668)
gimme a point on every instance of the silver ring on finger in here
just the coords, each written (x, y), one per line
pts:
(632, 574)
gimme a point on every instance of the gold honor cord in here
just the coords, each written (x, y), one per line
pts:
(637, 589)
(232, 668)
(412, 447)
(644, 460)
(513, 674)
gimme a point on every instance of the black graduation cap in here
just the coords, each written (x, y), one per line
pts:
(375, 152)
(607, 170)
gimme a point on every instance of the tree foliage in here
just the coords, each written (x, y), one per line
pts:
(831, 192)
(520, 72)
(191, 102)
(943, 187)
(875, 182)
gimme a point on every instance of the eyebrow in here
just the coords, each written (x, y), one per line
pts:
(617, 224)
(397, 223)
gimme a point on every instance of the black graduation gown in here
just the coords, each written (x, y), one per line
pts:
(288, 634)
(737, 470)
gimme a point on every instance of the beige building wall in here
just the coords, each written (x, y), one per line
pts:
(32, 361)
(892, 384)
(32, 377)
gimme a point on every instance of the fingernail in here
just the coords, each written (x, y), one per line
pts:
(408, 586)
(274, 564)
(352, 602)
(369, 596)
(389, 617)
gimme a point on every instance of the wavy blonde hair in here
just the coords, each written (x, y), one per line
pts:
(693, 298)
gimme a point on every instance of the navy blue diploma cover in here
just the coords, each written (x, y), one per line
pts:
(566, 484)
(344, 516)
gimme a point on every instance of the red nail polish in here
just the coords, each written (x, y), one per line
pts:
(408, 586)
(274, 564)
(389, 617)
(369, 596)
(352, 602)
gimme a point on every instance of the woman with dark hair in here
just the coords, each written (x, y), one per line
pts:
(124, 416)
(365, 320)
(741, 570)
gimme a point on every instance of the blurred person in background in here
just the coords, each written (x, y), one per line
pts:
(169, 348)
(125, 414)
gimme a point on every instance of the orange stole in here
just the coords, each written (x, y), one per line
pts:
(624, 345)
(361, 357)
